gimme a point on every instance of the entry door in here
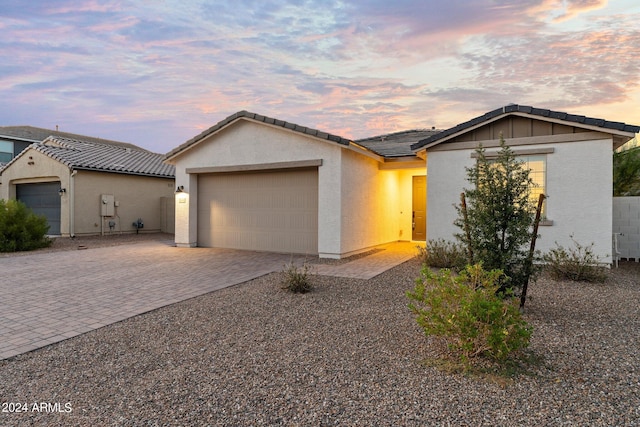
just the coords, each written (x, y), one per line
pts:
(43, 199)
(419, 214)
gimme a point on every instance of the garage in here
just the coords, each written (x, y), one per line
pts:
(43, 199)
(275, 211)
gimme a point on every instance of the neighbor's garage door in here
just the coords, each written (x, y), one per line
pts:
(43, 199)
(267, 211)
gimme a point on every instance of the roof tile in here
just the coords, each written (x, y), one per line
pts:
(265, 119)
(589, 121)
(89, 155)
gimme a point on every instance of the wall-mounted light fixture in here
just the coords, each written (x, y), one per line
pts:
(180, 189)
(62, 191)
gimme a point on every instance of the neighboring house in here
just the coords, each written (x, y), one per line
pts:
(258, 183)
(88, 185)
(570, 157)
(14, 139)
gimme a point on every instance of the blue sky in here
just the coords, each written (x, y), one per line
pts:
(158, 72)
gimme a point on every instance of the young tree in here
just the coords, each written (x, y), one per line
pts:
(499, 215)
(626, 172)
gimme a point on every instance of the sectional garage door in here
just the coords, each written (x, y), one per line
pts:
(43, 199)
(265, 211)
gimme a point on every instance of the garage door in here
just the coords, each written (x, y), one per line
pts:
(267, 211)
(43, 199)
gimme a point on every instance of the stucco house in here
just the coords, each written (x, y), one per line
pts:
(258, 183)
(92, 186)
(571, 161)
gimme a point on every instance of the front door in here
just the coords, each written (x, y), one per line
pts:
(419, 214)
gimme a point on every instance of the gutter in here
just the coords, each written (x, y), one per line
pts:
(72, 203)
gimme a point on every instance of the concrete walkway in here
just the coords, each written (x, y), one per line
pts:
(49, 297)
(370, 266)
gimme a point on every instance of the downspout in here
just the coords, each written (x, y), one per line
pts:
(72, 204)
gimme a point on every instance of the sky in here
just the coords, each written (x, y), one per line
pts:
(156, 73)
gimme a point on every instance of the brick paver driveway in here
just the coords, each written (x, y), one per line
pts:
(49, 297)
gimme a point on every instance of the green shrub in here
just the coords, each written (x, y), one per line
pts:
(578, 263)
(468, 313)
(442, 254)
(497, 222)
(296, 279)
(20, 228)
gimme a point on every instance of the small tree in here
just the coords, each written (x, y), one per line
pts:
(499, 215)
(20, 228)
(626, 172)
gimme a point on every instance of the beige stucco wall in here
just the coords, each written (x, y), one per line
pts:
(249, 143)
(377, 204)
(579, 186)
(359, 205)
(34, 167)
(136, 197)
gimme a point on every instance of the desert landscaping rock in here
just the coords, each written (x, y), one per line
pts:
(348, 353)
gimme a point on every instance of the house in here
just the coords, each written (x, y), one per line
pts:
(87, 185)
(570, 157)
(14, 139)
(258, 183)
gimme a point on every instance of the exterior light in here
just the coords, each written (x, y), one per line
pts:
(62, 191)
(180, 189)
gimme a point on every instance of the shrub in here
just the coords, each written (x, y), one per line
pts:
(296, 279)
(442, 254)
(578, 263)
(20, 228)
(468, 313)
(499, 216)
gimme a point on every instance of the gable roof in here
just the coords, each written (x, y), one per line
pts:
(35, 134)
(396, 144)
(102, 157)
(587, 122)
(256, 117)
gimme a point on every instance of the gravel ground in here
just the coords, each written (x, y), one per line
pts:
(348, 353)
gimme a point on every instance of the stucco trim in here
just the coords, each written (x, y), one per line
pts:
(525, 152)
(256, 167)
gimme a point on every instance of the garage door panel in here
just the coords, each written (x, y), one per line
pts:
(269, 211)
(43, 199)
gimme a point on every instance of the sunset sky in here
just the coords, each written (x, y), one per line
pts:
(158, 72)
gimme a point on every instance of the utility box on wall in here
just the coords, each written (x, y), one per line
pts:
(107, 205)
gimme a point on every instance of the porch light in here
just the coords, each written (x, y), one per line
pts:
(62, 191)
(180, 189)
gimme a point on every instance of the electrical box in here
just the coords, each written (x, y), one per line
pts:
(107, 205)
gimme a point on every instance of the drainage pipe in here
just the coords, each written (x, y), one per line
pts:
(72, 203)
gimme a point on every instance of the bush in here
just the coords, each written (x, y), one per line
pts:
(497, 222)
(578, 263)
(469, 314)
(442, 254)
(296, 279)
(20, 228)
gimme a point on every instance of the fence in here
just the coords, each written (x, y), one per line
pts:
(626, 222)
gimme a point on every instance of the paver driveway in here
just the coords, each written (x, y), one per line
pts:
(49, 297)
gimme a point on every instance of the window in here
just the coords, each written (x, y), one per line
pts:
(537, 166)
(536, 161)
(6, 151)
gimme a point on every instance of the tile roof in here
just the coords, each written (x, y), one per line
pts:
(34, 134)
(514, 108)
(252, 116)
(396, 144)
(103, 157)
